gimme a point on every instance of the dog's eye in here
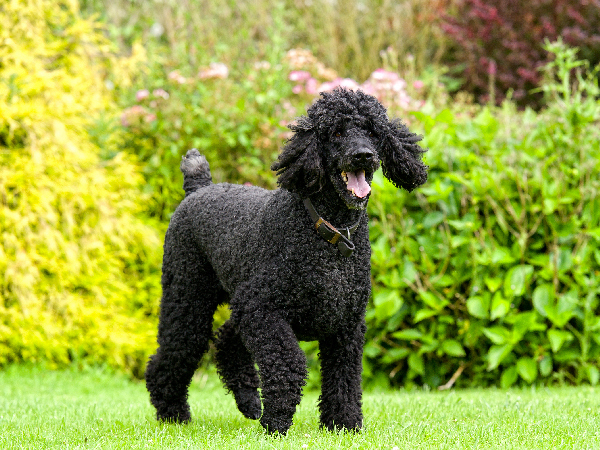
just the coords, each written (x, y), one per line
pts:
(338, 134)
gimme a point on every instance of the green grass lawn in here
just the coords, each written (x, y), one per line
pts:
(43, 409)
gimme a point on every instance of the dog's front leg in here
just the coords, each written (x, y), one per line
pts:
(281, 366)
(341, 368)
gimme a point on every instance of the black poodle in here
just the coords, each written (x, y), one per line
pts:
(293, 264)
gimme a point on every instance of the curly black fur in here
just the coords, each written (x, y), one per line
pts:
(258, 250)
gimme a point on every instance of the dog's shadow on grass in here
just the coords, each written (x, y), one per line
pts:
(227, 422)
(214, 427)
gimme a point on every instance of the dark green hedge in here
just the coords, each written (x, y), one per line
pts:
(493, 268)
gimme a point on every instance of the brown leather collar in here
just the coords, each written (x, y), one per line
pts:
(331, 234)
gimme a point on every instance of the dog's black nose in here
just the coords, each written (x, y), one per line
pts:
(363, 156)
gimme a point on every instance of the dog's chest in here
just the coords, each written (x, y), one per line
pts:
(334, 295)
(336, 286)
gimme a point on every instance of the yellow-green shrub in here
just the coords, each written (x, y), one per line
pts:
(79, 268)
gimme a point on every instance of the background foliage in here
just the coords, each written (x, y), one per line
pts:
(346, 35)
(493, 267)
(222, 115)
(80, 271)
(500, 43)
(488, 275)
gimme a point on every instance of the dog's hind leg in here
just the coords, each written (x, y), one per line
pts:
(190, 298)
(236, 369)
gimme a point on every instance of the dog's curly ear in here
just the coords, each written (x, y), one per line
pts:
(401, 157)
(299, 166)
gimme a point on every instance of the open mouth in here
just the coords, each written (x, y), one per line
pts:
(356, 183)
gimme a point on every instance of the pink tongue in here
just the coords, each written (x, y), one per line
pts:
(357, 183)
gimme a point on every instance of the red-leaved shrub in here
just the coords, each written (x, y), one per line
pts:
(500, 42)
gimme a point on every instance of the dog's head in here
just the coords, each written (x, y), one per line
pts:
(342, 140)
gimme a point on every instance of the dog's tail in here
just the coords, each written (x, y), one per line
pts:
(196, 171)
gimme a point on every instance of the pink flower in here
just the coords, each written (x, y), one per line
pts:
(215, 70)
(368, 88)
(137, 110)
(327, 87)
(124, 121)
(141, 95)
(176, 76)
(297, 89)
(492, 68)
(132, 115)
(399, 85)
(418, 84)
(288, 107)
(311, 86)
(348, 83)
(150, 118)
(220, 70)
(299, 75)
(384, 75)
(160, 93)
(262, 65)
(404, 100)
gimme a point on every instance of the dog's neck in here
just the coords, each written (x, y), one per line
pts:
(332, 208)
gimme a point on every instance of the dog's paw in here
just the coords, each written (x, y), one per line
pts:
(274, 425)
(248, 402)
(343, 425)
(174, 414)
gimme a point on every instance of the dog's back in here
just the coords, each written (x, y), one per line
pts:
(224, 219)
